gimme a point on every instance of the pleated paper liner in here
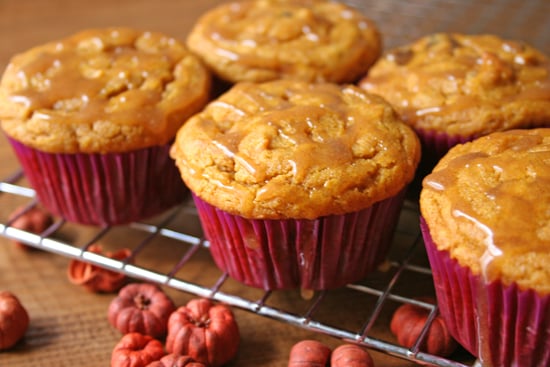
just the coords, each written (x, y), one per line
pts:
(103, 189)
(500, 324)
(323, 253)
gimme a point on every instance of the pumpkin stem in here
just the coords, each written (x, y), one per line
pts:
(203, 322)
(142, 302)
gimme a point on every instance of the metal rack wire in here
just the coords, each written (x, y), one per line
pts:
(381, 292)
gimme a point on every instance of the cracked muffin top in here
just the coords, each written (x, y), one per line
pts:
(293, 149)
(102, 90)
(262, 40)
(464, 85)
(486, 202)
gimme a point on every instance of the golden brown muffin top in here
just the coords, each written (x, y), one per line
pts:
(465, 84)
(488, 203)
(291, 149)
(102, 90)
(262, 40)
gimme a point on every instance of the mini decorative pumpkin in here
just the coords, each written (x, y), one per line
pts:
(176, 360)
(142, 308)
(309, 353)
(205, 331)
(14, 320)
(34, 220)
(136, 350)
(94, 278)
(350, 355)
(407, 324)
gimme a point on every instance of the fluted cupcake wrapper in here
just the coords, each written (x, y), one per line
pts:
(435, 145)
(500, 324)
(323, 253)
(103, 189)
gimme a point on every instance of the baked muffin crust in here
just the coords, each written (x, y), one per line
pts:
(487, 203)
(465, 85)
(262, 40)
(102, 90)
(291, 149)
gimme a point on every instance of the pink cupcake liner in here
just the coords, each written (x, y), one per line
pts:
(500, 324)
(324, 253)
(103, 189)
(437, 144)
(434, 146)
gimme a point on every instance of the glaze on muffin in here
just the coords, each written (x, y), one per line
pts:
(464, 85)
(291, 149)
(102, 90)
(486, 202)
(262, 40)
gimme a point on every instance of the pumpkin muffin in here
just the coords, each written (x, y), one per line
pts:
(91, 118)
(298, 185)
(452, 88)
(486, 225)
(263, 40)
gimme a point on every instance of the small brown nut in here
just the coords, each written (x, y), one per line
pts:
(34, 220)
(407, 324)
(309, 353)
(14, 320)
(350, 355)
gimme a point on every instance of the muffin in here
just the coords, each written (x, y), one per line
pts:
(452, 88)
(91, 118)
(264, 40)
(486, 225)
(297, 184)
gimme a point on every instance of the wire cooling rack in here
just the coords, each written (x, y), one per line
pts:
(391, 286)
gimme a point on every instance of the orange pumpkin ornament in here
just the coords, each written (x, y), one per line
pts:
(94, 278)
(34, 220)
(176, 360)
(407, 324)
(14, 320)
(141, 307)
(136, 350)
(205, 331)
